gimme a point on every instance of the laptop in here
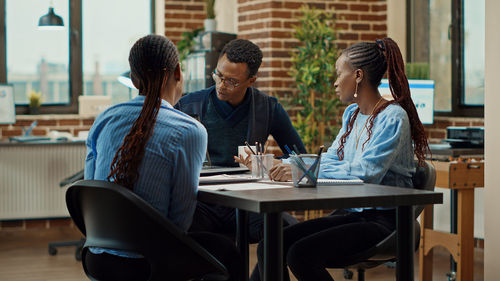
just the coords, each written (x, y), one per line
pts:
(219, 170)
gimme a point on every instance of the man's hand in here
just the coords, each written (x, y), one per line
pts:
(247, 161)
(281, 172)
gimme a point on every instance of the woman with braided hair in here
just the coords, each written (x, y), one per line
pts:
(156, 151)
(377, 143)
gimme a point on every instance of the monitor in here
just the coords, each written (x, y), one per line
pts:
(7, 105)
(422, 94)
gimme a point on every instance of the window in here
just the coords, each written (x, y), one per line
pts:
(107, 39)
(84, 58)
(449, 35)
(474, 16)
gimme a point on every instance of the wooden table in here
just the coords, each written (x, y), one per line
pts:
(461, 179)
(272, 202)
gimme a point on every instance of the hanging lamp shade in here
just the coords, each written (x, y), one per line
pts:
(50, 21)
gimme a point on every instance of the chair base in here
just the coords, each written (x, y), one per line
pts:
(78, 243)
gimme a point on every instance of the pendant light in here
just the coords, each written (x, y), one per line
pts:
(50, 21)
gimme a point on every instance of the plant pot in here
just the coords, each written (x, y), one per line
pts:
(210, 25)
(33, 110)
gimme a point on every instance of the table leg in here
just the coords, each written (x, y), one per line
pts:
(405, 243)
(242, 240)
(426, 261)
(465, 227)
(273, 247)
(453, 222)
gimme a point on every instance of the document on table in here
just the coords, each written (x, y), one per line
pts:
(243, 186)
(226, 179)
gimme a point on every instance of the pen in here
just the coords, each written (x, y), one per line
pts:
(249, 147)
(297, 151)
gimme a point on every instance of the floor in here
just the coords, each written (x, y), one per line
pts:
(24, 256)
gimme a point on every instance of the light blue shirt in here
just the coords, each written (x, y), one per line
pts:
(387, 158)
(170, 169)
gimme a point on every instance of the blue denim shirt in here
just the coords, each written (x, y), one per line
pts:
(170, 169)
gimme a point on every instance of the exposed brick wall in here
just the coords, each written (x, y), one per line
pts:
(46, 123)
(270, 25)
(13, 225)
(183, 16)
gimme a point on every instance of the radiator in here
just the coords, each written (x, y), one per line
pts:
(30, 176)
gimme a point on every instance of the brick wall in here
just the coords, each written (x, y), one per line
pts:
(269, 25)
(65, 123)
(183, 15)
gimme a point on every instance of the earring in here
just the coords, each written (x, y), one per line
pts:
(356, 91)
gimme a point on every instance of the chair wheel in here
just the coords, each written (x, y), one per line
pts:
(52, 251)
(78, 253)
(348, 274)
(390, 264)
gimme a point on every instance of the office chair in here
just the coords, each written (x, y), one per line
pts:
(52, 246)
(385, 251)
(113, 217)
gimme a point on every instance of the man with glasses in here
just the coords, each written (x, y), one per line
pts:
(234, 112)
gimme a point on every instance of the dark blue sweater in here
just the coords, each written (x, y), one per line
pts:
(265, 115)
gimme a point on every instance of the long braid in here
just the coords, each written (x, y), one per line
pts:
(343, 139)
(400, 90)
(152, 59)
(371, 59)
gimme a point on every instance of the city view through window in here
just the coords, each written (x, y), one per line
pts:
(38, 60)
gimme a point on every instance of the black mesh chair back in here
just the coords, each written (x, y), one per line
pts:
(113, 217)
(385, 251)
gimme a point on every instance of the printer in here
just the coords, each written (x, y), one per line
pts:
(465, 137)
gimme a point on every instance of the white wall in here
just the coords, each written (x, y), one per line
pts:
(492, 151)
(396, 23)
(226, 15)
(160, 17)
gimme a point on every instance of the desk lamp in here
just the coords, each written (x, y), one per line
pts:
(124, 78)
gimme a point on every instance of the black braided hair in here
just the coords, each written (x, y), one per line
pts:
(152, 60)
(375, 59)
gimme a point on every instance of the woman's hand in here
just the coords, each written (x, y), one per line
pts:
(281, 172)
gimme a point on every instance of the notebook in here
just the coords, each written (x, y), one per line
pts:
(322, 182)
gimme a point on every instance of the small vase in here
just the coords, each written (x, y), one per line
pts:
(33, 110)
(210, 25)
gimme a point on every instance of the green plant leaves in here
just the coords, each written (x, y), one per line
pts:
(313, 68)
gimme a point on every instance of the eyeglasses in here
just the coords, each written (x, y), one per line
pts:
(230, 83)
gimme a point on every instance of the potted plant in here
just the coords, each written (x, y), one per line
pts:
(210, 24)
(35, 101)
(186, 44)
(313, 68)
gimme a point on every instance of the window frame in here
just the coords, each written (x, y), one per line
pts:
(75, 57)
(458, 107)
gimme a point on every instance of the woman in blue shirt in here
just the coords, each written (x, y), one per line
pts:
(377, 143)
(155, 150)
